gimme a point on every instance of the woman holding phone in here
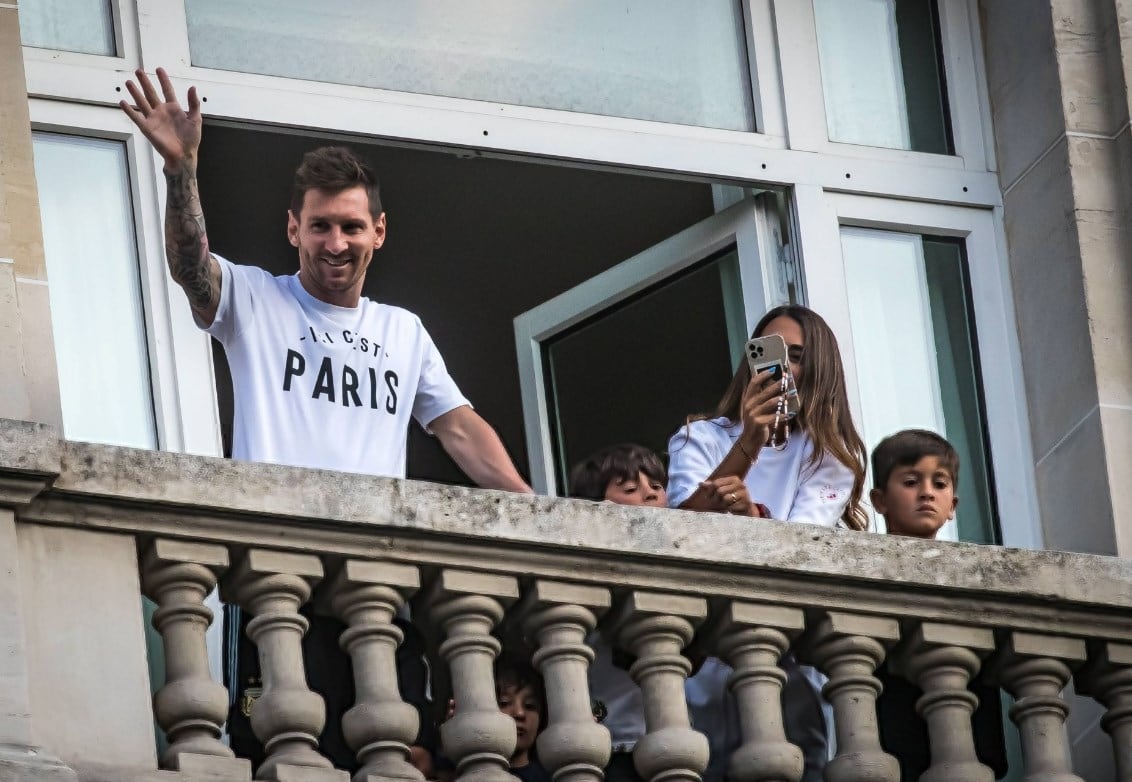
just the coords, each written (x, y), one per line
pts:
(762, 453)
(754, 456)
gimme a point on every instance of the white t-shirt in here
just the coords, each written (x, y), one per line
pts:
(784, 481)
(317, 385)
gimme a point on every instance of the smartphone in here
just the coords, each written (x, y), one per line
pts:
(769, 352)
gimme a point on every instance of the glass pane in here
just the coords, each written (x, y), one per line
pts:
(882, 74)
(916, 367)
(68, 25)
(945, 266)
(635, 372)
(680, 62)
(96, 313)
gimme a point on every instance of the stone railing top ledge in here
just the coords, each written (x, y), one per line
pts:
(291, 495)
(27, 447)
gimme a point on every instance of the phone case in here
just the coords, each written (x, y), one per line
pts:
(768, 351)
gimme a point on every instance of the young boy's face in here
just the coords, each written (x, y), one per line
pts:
(642, 490)
(918, 499)
(522, 705)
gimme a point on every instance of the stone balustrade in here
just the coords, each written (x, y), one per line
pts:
(88, 529)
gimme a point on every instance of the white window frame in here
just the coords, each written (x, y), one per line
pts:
(737, 225)
(164, 29)
(805, 104)
(823, 214)
(126, 42)
(492, 128)
(180, 360)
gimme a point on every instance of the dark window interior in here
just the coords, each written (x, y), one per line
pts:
(664, 354)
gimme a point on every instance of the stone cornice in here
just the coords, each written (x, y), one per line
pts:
(29, 461)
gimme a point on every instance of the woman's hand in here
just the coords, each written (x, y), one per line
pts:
(728, 494)
(757, 410)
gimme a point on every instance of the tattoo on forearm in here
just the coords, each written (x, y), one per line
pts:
(186, 243)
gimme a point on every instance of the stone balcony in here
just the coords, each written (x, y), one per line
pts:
(85, 530)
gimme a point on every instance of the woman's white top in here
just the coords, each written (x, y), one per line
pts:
(793, 489)
(783, 480)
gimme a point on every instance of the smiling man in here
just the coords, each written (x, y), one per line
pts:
(323, 376)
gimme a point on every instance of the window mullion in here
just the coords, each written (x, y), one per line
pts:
(766, 75)
(804, 107)
(164, 36)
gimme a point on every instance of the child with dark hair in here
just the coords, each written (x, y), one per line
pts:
(915, 480)
(626, 474)
(522, 696)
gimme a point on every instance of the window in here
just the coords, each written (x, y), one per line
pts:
(634, 372)
(915, 363)
(882, 75)
(92, 268)
(916, 292)
(68, 25)
(683, 63)
(628, 354)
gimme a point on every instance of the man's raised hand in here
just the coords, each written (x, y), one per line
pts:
(174, 132)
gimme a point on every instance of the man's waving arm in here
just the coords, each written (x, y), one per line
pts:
(477, 449)
(175, 134)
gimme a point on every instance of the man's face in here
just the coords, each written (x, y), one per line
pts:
(336, 236)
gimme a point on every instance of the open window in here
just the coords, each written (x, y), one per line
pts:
(628, 354)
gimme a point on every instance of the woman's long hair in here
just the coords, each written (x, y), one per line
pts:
(824, 404)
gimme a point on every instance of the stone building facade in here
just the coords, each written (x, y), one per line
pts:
(1036, 179)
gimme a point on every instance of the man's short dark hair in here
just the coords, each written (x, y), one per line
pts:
(907, 447)
(591, 477)
(335, 169)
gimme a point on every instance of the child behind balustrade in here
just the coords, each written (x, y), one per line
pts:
(521, 695)
(625, 474)
(915, 485)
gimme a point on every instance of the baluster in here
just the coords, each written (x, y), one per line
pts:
(479, 738)
(288, 717)
(941, 659)
(656, 628)
(1034, 670)
(751, 638)
(380, 726)
(573, 748)
(1108, 678)
(191, 707)
(848, 648)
